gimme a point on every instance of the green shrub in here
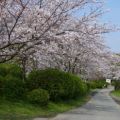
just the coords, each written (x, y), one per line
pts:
(117, 85)
(100, 83)
(1, 85)
(84, 89)
(11, 83)
(13, 88)
(97, 84)
(10, 69)
(92, 84)
(38, 96)
(88, 86)
(59, 84)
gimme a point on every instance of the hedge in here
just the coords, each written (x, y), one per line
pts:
(11, 83)
(59, 84)
(38, 96)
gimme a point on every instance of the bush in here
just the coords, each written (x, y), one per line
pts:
(10, 69)
(11, 83)
(13, 88)
(84, 89)
(101, 84)
(97, 84)
(117, 85)
(92, 84)
(59, 84)
(38, 96)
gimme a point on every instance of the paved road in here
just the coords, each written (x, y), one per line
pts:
(100, 107)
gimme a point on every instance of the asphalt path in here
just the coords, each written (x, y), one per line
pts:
(100, 107)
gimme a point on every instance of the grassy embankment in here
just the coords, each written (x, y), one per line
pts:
(116, 93)
(26, 111)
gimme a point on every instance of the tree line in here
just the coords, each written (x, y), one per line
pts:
(62, 34)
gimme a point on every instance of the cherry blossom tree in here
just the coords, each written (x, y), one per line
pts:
(26, 23)
(47, 33)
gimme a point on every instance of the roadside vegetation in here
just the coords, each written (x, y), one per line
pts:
(43, 92)
(116, 85)
(116, 92)
(21, 110)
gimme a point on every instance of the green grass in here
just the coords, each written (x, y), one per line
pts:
(116, 93)
(25, 111)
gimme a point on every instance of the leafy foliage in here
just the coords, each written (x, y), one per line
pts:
(117, 85)
(59, 84)
(38, 96)
(10, 69)
(11, 83)
(96, 84)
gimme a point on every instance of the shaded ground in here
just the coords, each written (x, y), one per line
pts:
(100, 107)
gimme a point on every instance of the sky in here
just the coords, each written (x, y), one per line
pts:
(113, 17)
